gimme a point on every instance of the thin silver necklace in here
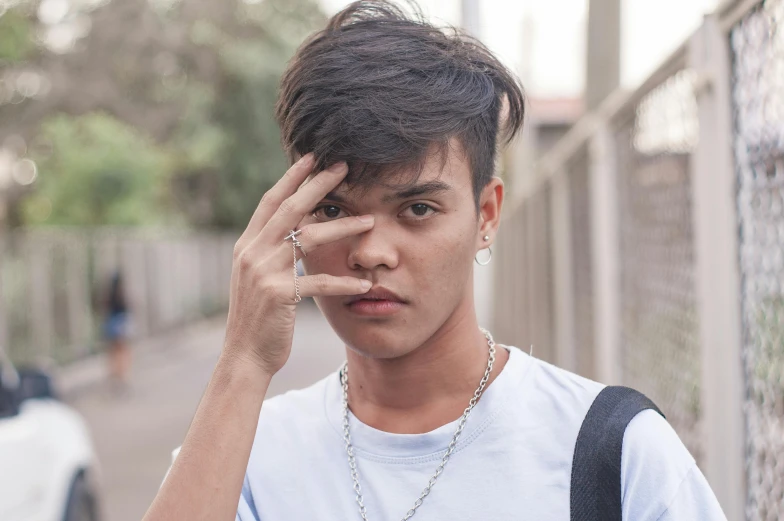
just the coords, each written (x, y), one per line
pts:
(449, 450)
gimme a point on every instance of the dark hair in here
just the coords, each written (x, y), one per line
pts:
(379, 89)
(117, 302)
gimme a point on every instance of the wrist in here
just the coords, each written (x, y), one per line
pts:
(243, 369)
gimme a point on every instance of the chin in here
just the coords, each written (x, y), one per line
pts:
(376, 340)
(385, 338)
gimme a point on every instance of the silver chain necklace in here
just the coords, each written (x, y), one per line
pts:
(449, 450)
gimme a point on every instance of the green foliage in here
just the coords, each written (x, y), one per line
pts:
(16, 36)
(253, 159)
(200, 78)
(228, 142)
(98, 171)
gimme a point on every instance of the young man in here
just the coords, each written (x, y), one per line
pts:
(429, 418)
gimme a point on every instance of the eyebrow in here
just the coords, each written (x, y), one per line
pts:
(428, 188)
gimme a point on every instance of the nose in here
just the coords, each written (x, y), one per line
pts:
(373, 249)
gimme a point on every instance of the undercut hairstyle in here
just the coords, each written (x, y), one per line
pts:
(381, 89)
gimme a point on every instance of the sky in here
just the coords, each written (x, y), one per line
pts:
(544, 40)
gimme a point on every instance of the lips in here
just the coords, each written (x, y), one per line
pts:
(377, 303)
(377, 294)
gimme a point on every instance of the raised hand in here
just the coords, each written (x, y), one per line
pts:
(262, 305)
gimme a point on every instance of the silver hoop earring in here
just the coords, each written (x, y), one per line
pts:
(489, 257)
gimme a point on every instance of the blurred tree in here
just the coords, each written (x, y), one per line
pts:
(253, 45)
(97, 171)
(16, 41)
(253, 66)
(198, 77)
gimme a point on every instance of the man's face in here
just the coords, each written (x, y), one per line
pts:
(421, 248)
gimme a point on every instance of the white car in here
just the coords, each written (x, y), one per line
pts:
(47, 461)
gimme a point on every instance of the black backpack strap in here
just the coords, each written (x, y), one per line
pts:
(596, 467)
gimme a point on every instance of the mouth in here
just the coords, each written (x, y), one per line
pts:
(379, 301)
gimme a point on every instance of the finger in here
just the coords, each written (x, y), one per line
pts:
(286, 185)
(323, 285)
(295, 207)
(317, 234)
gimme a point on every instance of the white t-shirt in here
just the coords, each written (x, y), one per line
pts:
(513, 460)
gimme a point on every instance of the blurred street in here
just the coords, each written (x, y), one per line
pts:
(134, 435)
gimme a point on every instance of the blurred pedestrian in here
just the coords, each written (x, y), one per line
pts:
(115, 332)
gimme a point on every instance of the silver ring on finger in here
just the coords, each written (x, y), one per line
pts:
(295, 244)
(293, 237)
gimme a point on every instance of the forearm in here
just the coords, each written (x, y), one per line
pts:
(206, 478)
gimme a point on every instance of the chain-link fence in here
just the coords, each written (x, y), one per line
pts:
(659, 332)
(758, 97)
(58, 280)
(580, 213)
(669, 276)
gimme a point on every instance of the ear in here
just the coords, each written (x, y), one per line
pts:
(490, 201)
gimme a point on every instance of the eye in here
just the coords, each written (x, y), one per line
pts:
(327, 212)
(420, 210)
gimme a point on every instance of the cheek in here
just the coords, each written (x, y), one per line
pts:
(443, 265)
(328, 259)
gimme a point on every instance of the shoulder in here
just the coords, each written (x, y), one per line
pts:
(565, 384)
(650, 444)
(548, 407)
(288, 424)
(300, 407)
(558, 395)
(287, 417)
(659, 477)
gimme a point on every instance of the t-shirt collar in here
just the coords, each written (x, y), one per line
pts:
(371, 442)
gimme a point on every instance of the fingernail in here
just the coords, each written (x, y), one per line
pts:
(366, 284)
(365, 219)
(307, 158)
(338, 167)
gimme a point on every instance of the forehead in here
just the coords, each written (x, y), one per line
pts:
(444, 169)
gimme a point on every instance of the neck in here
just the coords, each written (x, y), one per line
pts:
(428, 387)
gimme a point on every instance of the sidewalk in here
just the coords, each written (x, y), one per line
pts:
(88, 374)
(134, 435)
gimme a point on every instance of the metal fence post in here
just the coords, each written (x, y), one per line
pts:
(4, 336)
(41, 325)
(605, 251)
(78, 289)
(563, 272)
(717, 281)
(538, 256)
